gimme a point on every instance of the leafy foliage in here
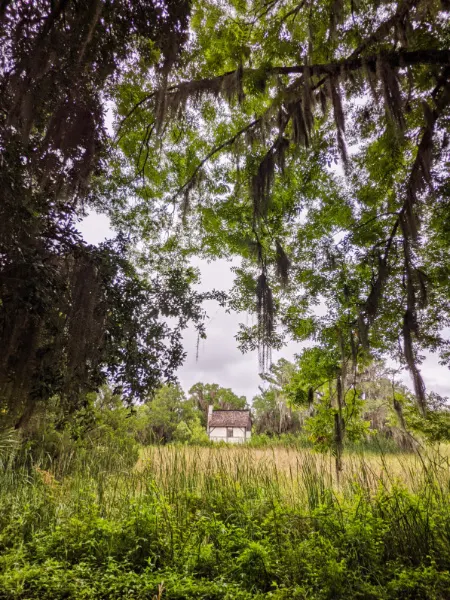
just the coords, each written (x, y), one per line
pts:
(300, 406)
(210, 394)
(73, 316)
(274, 412)
(256, 137)
(172, 417)
(96, 320)
(235, 529)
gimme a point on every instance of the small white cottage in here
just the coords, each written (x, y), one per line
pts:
(233, 426)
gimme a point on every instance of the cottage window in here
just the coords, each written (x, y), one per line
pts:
(229, 432)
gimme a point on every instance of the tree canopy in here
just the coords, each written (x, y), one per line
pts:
(71, 315)
(311, 139)
(211, 394)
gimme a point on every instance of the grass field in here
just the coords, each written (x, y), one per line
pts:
(225, 523)
(290, 469)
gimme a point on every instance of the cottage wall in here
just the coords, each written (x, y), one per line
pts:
(219, 434)
(238, 432)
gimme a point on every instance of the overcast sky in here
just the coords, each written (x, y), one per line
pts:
(219, 360)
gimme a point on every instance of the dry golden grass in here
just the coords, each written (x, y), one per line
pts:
(287, 470)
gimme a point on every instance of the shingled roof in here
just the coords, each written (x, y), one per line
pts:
(230, 418)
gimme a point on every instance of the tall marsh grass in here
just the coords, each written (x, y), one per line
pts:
(225, 523)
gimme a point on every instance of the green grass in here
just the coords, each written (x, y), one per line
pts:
(236, 523)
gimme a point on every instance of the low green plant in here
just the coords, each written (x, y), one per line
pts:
(216, 523)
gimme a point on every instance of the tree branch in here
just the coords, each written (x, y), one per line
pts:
(385, 27)
(212, 152)
(294, 12)
(395, 58)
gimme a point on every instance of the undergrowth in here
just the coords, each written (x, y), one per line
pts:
(223, 525)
